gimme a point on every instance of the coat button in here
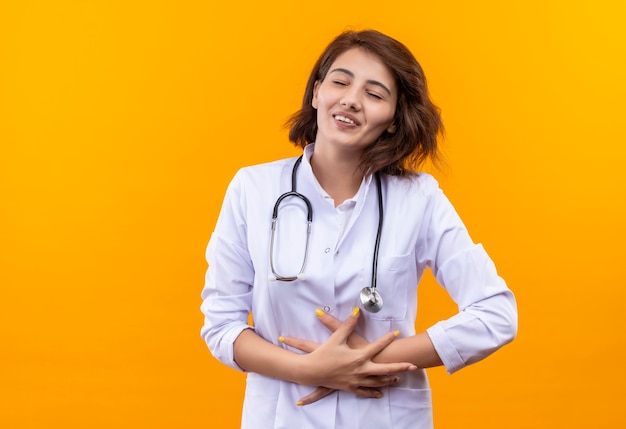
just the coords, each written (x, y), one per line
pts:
(327, 250)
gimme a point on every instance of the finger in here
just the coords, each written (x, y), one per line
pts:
(379, 381)
(316, 395)
(332, 323)
(327, 320)
(300, 344)
(346, 328)
(355, 341)
(375, 347)
(368, 393)
(389, 369)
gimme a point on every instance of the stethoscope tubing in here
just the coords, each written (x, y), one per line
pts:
(370, 297)
(309, 218)
(379, 230)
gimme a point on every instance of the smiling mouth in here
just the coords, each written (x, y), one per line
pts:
(344, 119)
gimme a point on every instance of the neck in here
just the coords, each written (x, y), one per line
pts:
(339, 177)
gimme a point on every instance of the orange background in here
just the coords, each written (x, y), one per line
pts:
(121, 124)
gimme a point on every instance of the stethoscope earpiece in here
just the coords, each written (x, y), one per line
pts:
(371, 300)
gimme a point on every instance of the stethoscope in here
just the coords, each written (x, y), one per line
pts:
(370, 297)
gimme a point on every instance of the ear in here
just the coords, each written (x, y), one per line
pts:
(315, 89)
(391, 128)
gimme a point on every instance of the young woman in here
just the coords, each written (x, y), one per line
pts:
(326, 252)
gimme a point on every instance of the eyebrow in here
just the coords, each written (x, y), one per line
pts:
(369, 81)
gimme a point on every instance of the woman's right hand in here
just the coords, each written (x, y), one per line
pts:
(338, 364)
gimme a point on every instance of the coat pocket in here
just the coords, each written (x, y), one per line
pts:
(396, 283)
(411, 408)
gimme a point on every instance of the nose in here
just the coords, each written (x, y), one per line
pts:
(351, 99)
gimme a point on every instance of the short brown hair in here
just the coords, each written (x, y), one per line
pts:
(417, 119)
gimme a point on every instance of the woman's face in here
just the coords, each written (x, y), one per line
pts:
(355, 102)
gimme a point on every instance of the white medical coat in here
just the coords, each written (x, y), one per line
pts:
(421, 229)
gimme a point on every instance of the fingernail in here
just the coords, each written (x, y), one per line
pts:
(379, 395)
(299, 404)
(356, 311)
(412, 367)
(319, 312)
(281, 339)
(396, 333)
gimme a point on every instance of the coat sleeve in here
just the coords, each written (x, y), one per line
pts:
(227, 292)
(487, 317)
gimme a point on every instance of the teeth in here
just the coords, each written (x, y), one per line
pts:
(344, 119)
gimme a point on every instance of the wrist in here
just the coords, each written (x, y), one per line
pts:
(302, 372)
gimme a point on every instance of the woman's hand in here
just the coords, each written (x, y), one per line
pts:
(355, 341)
(344, 361)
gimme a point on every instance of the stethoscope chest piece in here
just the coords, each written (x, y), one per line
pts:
(371, 299)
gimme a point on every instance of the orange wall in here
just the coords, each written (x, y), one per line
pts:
(121, 124)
